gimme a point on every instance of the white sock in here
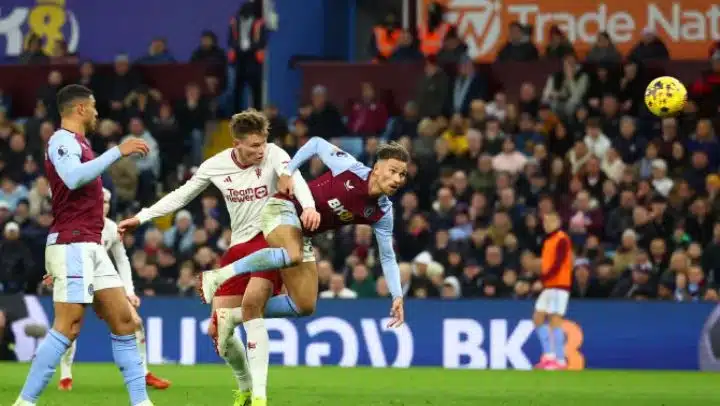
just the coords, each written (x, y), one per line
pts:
(258, 355)
(67, 360)
(142, 350)
(236, 360)
(236, 315)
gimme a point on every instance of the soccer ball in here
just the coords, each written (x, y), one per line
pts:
(665, 96)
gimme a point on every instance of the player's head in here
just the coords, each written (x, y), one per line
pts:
(107, 196)
(77, 102)
(551, 222)
(391, 167)
(250, 131)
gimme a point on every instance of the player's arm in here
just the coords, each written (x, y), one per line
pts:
(562, 252)
(384, 235)
(64, 152)
(334, 158)
(117, 250)
(300, 187)
(178, 198)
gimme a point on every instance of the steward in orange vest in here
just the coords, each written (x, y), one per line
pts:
(247, 40)
(432, 33)
(385, 38)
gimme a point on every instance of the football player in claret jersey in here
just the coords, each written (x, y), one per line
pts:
(79, 265)
(247, 175)
(114, 245)
(350, 193)
(556, 263)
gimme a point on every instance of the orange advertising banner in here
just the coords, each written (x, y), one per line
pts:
(688, 27)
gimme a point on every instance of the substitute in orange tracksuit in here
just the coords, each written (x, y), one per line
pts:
(556, 265)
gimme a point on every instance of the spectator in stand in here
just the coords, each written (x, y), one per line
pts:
(519, 46)
(407, 49)
(33, 53)
(5, 102)
(407, 124)
(456, 135)
(325, 120)
(566, 89)
(209, 52)
(149, 165)
(559, 45)
(48, 93)
(337, 289)
(468, 85)
(706, 89)
(192, 114)
(432, 90)
(60, 54)
(368, 116)
(142, 102)
(11, 192)
(453, 51)
(650, 48)
(247, 40)
(158, 52)
(121, 82)
(17, 266)
(385, 38)
(92, 80)
(603, 51)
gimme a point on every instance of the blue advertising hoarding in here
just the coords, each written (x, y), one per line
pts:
(452, 334)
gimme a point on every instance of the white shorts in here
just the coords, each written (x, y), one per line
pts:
(281, 212)
(553, 301)
(79, 270)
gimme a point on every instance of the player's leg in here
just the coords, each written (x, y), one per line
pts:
(66, 362)
(112, 305)
(542, 329)
(557, 311)
(228, 345)
(72, 277)
(150, 378)
(258, 291)
(281, 225)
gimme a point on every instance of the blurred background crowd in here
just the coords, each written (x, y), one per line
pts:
(638, 195)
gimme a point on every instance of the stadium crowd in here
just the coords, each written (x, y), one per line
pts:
(639, 196)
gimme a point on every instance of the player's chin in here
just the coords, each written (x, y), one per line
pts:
(391, 190)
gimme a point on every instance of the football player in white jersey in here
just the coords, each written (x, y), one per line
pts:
(113, 244)
(247, 175)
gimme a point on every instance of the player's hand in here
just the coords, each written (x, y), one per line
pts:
(47, 280)
(285, 185)
(397, 313)
(128, 225)
(134, 301)
(310, 219)
(134, 146)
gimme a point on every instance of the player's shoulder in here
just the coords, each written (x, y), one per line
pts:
(62, 135)
(221, 160)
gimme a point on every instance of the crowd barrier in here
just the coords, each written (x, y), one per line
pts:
(477, 334)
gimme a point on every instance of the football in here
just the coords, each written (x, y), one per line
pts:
(665, 96)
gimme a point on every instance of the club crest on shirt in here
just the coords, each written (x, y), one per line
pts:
(368, 211)
(258, 172)
(339, 153)
(62, 151)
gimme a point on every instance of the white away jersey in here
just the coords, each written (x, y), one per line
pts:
(245, 189)
(113, 244)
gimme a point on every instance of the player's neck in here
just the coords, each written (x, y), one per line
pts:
(239, 159)
(374, 186)
(73, 126)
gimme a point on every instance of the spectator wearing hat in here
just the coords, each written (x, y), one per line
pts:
(660, 181)
(451, 288)
(639, 281)
(17, 267)
(179, 237)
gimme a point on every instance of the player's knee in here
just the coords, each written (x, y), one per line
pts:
(212, 330)
(306, 306)
(122, 324)
(295, 255)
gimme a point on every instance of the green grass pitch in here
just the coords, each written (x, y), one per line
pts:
(100, 384)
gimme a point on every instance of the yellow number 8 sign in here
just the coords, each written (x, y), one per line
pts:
(573, 343)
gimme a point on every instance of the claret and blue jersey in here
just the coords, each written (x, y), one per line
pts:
(342, 197)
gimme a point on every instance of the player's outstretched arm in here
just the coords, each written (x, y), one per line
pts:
(333, 157)
(178, 198)
(384, 235)
(64, 152)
